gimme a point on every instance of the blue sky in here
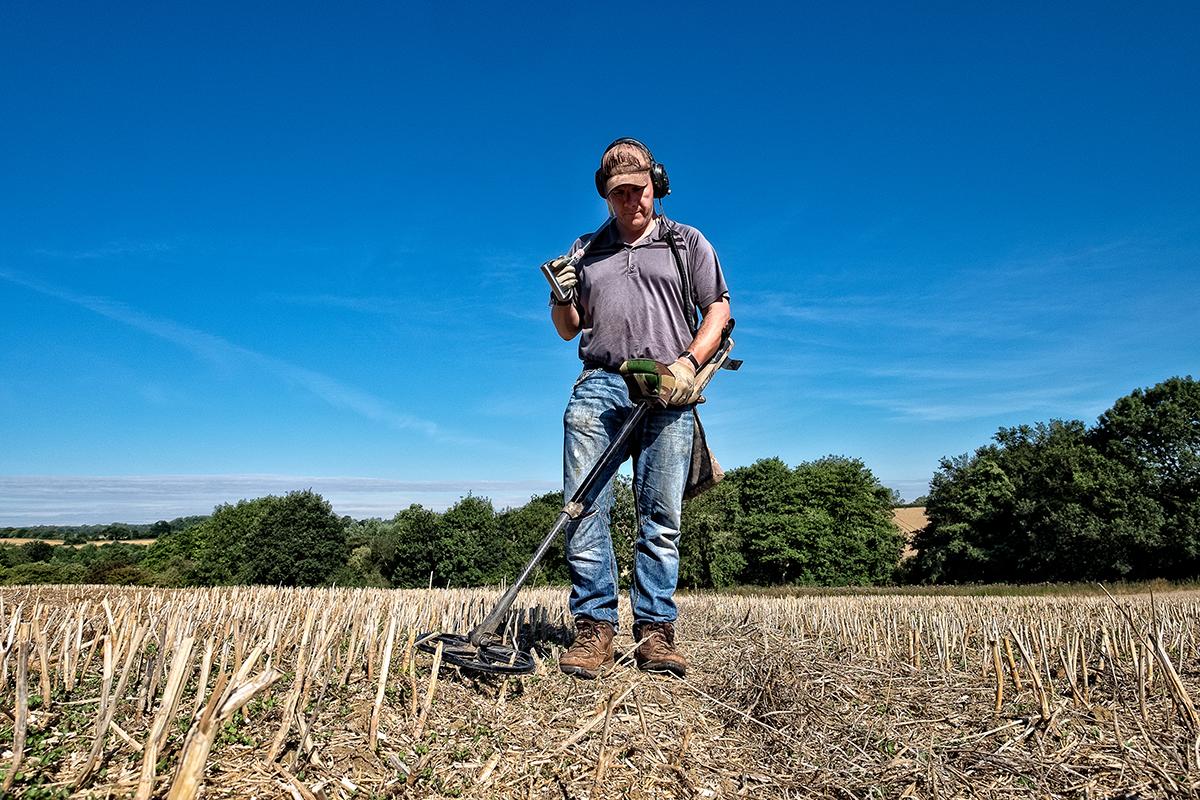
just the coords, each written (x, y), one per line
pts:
(250, 249)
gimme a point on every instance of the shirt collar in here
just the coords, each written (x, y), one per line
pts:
(611, 237)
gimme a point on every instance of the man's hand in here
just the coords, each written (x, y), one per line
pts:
(685, 382)
(565, 274)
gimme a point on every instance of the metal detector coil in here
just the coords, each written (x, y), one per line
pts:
(495, 658)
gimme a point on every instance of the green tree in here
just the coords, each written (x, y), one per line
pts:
(1080, 513)
(299, 541)
(408, 553)
(861, 545)
(969, 508)
(768, 486)
(623, 526)
(523, 529)
(363, 540)
(220, 542)
(172, 559)
(469, 550)
(38, 551)
(825, 522)
(1155, 434)
(41, 572)
(117, 532)
(1041, 504)
(710, 545)
(114, 564)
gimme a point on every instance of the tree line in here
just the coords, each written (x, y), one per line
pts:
(827, 521)
(1050, 501)
(113, 532)
(1064, 501)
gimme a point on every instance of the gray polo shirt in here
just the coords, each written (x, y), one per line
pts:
(629, 297)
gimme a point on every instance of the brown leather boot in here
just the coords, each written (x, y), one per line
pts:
(591, 651)
(656, 648)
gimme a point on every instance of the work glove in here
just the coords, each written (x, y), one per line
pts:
(648, 379)
(566, 276)
(664, 384)
(684, 391)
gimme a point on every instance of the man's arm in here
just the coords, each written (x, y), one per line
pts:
(566, 320)
(708, 338)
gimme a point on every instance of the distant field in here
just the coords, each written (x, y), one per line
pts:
(318, 693)
(5, 540)
(909, 521)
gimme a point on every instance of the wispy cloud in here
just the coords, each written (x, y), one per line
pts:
(225, 354)
(81, 500)
(117, 249)
(364, 305)
(951, 408)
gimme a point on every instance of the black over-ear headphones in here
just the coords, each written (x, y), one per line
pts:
(658, 173)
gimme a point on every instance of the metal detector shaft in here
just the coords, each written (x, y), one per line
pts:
(572, 509)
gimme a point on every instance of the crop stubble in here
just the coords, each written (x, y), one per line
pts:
(321, 693)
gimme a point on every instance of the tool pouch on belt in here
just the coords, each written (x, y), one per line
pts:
(704, 472)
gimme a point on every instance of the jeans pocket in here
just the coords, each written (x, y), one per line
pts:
(583, 376)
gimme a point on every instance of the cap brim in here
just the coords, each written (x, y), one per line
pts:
(638, 179)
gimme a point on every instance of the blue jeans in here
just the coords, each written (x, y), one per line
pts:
(598, 407)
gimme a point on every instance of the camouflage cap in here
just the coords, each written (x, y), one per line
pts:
(624, 164)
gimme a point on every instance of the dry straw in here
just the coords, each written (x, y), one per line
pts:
(309, 692)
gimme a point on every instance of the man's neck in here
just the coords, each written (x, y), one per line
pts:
(634, 237)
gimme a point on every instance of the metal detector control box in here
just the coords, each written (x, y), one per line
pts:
(560, 294)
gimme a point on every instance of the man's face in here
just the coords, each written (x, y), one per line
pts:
(633, 206)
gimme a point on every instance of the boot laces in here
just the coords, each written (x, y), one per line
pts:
(661, 634)
(587, 634)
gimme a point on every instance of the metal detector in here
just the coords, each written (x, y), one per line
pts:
(483, 649)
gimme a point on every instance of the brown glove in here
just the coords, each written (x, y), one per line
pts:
(684, 392)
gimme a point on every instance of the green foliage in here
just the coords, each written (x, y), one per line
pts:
(623, 522)
(294, 540)
(41, 572)
(114, 564)
(1061, 502)
(1155, 434)
(864, 545)
(826, 522)
(74, 537)
(710, 547)
(117, 532)
(967, 501)
(172, 559)
(298, 541)
(467, 552)
(37, 551)
(522, 529)
(361, 567)
(1055, 501)
(407, 553)
(221, 543)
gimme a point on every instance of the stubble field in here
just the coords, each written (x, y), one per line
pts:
(320, 693)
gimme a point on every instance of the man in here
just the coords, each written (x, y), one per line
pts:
(626, 300)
